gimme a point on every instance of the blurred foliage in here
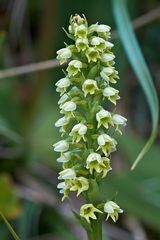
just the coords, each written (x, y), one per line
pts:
(28, 110)
(9, 200)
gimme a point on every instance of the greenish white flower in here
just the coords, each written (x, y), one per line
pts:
(81, 44)
(81, 31)
(107, 57)
(63, 99)
(104, 118)
(62, 122)
(111, 94)
(99, 43)
(109, 74)
(67, 173)
(62, 85)
(64, 188)
(99, 164)
(106, 143)
(109, 45)
(61, 146)
(88, 211)
(78, 132)
(112, 210)
(74, 67)
(102, 30)
(118, 121)
(69, 106)
(105, 168)
(65, 157)
(64, 54)
(85, 154)
(89, 87)
(92, 54)
(79, 184)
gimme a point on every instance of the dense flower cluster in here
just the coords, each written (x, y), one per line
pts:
(87, 94)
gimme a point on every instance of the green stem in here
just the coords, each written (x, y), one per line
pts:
(96, 234)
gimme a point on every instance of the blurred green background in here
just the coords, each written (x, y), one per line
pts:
(31, 31)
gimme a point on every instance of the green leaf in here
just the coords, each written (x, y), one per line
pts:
(13, 233)
(140, 68)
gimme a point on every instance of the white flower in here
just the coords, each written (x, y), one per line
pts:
(67, 173)
(64, 54)
(74, 67)
(89, 87)
(65, 157)
(92, 54)
(62, 122)
(61, 146)
(111, 94)
(119, 120)
(78, 132)
(62, 85)
(107, 57)
(69, 106)
(103, 118)
(113, 210)
(81, 31)
(106, 143)
(81, 44)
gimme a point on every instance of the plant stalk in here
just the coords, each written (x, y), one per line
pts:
(96, 233)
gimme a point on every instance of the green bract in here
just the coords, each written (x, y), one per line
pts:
(87, 104)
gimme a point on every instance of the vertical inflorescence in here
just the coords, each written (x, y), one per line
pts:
(87, 125)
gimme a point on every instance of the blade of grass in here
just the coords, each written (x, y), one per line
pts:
(135, 56)
(14, 235)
